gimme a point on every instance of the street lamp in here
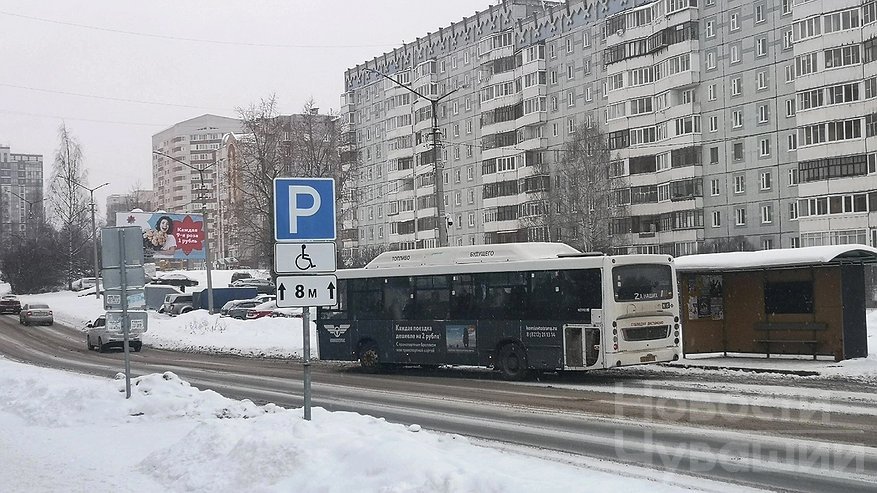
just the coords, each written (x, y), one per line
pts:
(94, 232)
(439, 166)
(200, 170)
(30, 204)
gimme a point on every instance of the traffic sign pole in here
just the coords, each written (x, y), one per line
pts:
(304, 211)
(124, 300)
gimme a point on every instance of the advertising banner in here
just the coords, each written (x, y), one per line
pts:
(167, 236)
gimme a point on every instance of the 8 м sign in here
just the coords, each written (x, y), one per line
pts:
(295, 291)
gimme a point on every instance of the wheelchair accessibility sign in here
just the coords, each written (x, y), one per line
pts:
(304, 209)
(304, 258)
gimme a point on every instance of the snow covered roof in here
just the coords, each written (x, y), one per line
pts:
(782, 257)
(504, 252)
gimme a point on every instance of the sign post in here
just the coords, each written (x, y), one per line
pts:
(124, 279)
(304, 228)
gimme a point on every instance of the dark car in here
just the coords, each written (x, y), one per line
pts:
(178, 280)
(237, 276)
(10, 304)
(263, 286)
(238, 308)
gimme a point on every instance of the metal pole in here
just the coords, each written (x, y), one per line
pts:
(306, 323)
(125, 323)
(94, 242)
(439, 180)
(206, 242)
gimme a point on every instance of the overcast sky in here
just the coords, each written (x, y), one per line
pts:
(118, 72)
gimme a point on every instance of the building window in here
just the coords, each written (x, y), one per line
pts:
(764, 147)
(735, 53)
(711, 60)
(761, 47)
(761, 79)
(738, 151)
(765, 180)
(711, 92)
(736, 86)
(766, 214)
(740, 216)
(737, 118)
(759, 13)
(793, 177)
(714, 187)
(739, 183)
(735, 21)
(790, 107)
(714, 124)
(714, 155)
(763, 115)
(767, 244)
(717, 219)
(793, 210)
(709, 28)
(793, 141)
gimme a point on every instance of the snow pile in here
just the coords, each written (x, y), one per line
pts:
(66, 432)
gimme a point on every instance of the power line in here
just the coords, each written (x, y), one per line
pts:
(107, 98)
(60, 117)
(194, 40)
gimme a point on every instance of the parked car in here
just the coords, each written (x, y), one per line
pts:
(237, 276)
(179, 280)
(238, 308)
(263, 310)
(35, 313)
(10, 304)
(99, 336)
(286, 313)
(264, 286)
(82, 283)
(175, 304)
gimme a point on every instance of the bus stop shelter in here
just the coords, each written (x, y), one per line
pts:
(786, 301)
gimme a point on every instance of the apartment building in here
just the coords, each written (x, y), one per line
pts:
(835, 47)
(21, 193)
(700, 102)
(178, 186)
(139, 199)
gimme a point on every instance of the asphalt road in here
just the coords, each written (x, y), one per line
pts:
(755, 445)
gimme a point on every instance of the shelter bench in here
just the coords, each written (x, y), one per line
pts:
(769, 330)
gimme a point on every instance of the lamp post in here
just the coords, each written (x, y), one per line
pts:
(30, 204)
(200, 170)
(439, 166)
(94, 233)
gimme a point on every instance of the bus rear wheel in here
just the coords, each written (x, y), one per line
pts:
(369, 358)
(512, 360)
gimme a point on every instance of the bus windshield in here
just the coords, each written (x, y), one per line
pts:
(642, 282)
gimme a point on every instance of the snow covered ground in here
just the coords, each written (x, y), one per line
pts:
(61, 431)
(66, 432)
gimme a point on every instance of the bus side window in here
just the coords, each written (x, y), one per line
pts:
(463, 306)
(544, 297)
(581, 292)
(432, 295)
(397, 294)
(365, 299)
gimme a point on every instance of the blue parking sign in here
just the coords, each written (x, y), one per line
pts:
(304, 209)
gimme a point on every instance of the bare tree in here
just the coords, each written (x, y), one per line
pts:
(273, 146)
(578, 210)
(69, 204)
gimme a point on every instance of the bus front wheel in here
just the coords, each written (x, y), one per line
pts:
(368, 356)
(512, 361)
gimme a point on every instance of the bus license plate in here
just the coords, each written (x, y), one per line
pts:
(648, 358)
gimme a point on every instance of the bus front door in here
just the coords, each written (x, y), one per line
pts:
(581, 346)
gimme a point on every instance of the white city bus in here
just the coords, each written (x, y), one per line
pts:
(516, 307)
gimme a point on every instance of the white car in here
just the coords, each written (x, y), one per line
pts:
(83, 283)
(99, 336)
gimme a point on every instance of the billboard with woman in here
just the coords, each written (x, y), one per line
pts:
(168, 236)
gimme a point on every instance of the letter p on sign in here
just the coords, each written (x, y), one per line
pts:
(295, 208)
(304, 209)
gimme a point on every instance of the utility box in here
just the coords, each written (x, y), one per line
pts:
(221, 296)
